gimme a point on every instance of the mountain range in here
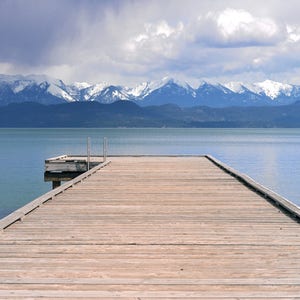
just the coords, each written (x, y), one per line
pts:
(129, 114)
(46, 90)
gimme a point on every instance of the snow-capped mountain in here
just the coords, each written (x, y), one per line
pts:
(277, 91)
(34, 88)
(166, 91)
(47, 90)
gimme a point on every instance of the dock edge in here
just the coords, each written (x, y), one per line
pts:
(282, 203)
(20, 213)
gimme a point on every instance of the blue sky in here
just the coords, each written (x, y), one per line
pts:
(127, 42)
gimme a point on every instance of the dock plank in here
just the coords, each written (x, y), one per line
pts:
(153, 228)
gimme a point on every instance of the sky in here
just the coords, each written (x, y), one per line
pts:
(130, 41)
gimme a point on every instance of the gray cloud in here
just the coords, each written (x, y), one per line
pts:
(29, 29)
(129, 41)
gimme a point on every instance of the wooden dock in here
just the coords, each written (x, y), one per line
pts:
(153, 228)
(66, 167)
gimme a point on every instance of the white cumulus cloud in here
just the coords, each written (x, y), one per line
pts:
(220, 42)
(159, 39)
(293, 33)
(236, 28)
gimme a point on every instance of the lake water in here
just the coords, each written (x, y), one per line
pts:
(270, 156)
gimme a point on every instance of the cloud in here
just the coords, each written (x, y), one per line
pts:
(29, 29)
(228, 28)
(127, 41)
(216, 42)
(158, 39)
(293, 33)
(237, 28)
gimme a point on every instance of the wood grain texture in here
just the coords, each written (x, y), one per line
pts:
(71, 163)
(153, 228)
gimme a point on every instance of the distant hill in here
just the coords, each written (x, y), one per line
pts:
(129, 114)
(46, 90)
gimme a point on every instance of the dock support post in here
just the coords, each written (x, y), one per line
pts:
(88, 146)
(55, 184)
(104, 148)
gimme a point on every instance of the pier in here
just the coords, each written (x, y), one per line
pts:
(68, 167)
(153, 227)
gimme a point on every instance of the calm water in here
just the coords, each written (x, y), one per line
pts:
(270, 156)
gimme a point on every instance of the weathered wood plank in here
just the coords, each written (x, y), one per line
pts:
(20, 213)
(153, 228)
